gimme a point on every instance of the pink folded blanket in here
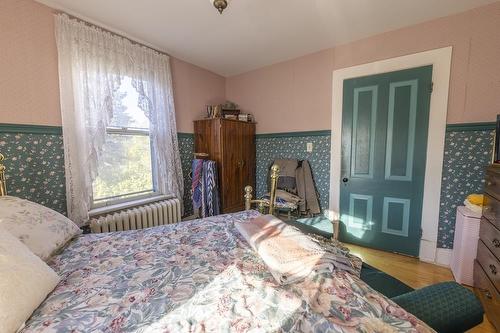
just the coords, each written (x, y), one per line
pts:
(289, 254)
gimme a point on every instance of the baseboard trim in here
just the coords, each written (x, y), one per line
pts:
(443, 257)
(427, 251)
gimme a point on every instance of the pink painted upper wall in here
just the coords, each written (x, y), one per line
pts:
(194, 88)
(291, 96)
(296, 95)
(29, 87)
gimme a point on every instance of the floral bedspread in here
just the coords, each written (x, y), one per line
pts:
(201, 276)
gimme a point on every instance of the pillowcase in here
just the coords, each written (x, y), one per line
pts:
(41, 229)
(25, 281)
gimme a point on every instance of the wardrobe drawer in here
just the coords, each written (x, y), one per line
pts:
(488, 295)
(490, 236)
(491, 209)
(489, 263)
(492, 183)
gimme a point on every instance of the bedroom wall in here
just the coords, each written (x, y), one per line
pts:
(298, 91)
(301, 89)
(29, 89)
(296, 96)
(29, 94)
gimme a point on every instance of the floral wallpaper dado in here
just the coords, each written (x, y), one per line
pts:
(35, 168)
(186, 150)
(466, 155)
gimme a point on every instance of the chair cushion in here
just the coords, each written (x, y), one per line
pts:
(446, 307)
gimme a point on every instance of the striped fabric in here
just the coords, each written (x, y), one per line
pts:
(211, 188)
(205, 188)
(196, 186)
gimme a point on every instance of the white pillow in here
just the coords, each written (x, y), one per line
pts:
(25, 281)
(41, 229)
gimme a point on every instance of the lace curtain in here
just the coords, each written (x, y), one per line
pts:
(92, 63)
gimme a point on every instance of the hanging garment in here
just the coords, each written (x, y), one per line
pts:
(211, 189)
(197, 184)
(307, 189)
(205, 188)
(286, 180)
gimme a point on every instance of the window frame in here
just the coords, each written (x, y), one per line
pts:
(130, 197)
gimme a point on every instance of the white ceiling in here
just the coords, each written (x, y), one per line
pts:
(255, 33)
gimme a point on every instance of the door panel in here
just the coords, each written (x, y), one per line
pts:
(384, 141)
(363, 129)
(360, 211)
(401, 130)
(396, 216)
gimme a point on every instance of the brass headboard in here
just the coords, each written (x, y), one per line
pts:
(3, 184)
(275, 173)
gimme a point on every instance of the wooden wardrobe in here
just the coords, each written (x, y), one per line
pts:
(231, 143)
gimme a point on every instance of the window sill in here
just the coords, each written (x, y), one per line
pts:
(128, 204)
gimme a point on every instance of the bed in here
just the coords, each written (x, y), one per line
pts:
(200, 276)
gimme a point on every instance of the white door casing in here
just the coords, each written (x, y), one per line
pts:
(441, 61)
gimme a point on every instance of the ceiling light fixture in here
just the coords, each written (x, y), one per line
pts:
(220, 5)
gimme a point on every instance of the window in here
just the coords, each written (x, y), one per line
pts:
(125, 169)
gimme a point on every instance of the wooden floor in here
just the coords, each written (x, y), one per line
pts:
(415, 273)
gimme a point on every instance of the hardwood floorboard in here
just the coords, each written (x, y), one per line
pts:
(413, 272)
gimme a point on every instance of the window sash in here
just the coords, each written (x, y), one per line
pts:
(127, 130)
(132, 196)
(120, 200)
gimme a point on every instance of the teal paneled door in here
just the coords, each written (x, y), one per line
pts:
(385, 120)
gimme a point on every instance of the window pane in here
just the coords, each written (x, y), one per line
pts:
(125, 167)
(126, 113)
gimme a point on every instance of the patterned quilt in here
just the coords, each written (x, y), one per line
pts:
(201, 276)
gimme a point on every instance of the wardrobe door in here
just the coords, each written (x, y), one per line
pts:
(238, 152)
(207, 139)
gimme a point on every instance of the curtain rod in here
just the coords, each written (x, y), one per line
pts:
(135, 42)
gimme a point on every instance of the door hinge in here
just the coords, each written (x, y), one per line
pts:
(421, 232)
(431, 87)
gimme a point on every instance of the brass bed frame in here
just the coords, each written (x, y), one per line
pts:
(263, 204)
(3, 184)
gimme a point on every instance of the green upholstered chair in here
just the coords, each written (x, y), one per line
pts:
(446, 307)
